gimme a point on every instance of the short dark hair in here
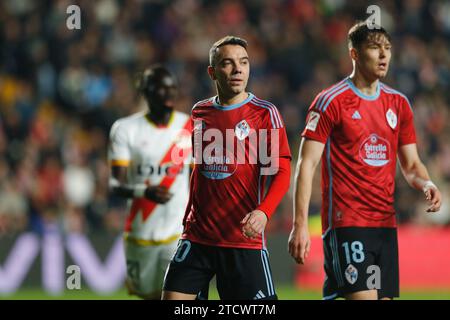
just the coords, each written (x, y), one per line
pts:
(145, 80)
(222, 42)
(360, 32)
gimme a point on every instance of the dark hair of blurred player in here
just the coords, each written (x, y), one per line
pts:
(159, 88)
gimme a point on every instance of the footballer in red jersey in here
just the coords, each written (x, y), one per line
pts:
(358, 127)
(239, 141)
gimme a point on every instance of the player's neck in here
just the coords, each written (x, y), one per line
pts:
(225, 100)
(160, 119)
(364, 84)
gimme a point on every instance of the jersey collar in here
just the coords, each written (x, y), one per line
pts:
(233, 106)
(158, 126)
(361, 94)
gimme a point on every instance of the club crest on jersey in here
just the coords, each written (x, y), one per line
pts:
(391, 118)
(351, 274)
(242, 130)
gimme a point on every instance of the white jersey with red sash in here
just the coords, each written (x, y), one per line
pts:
(154, 155)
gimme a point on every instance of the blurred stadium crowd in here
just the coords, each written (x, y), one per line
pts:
(60, 89)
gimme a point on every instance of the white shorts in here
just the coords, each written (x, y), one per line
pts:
(146, 266)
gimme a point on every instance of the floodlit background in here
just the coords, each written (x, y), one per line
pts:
(61, 89)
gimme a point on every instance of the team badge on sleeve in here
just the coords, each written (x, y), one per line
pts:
(313, 120)
(242, 130)
(391, 118)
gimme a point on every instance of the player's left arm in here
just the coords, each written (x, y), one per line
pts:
(255, 222)
(416, 174)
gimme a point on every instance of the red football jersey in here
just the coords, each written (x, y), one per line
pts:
(228, 183)
(361, 135)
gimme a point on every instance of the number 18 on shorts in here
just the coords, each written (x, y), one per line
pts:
(360, 259)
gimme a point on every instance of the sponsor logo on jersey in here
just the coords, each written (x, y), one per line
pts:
(219, 166)
(313, 121)
(165, 169)
(356, 115)
(242, 130)
(391, 118)
(375, 151)
(351, 274)
(252, 147)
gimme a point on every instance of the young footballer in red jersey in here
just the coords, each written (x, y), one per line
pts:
(228, 208)
(358, 127)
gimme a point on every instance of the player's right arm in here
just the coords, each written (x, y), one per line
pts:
(119, 187)
(309, 157)
(119, 159)
(322, 117)
(416, 174)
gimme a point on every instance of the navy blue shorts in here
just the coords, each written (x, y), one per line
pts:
(241, 274)
(359, 259)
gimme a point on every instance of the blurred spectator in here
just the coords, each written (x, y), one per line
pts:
(60, 89)
(13, 208)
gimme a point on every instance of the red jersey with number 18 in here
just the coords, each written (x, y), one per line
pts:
(361, 134)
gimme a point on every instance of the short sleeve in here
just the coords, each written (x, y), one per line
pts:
(118, 152)
(320, 120)
(407, 134)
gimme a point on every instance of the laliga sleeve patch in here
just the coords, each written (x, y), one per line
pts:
(313, 120)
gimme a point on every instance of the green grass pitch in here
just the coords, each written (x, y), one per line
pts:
(285, 292)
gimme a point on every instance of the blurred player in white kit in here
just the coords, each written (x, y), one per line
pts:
(141, 155)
